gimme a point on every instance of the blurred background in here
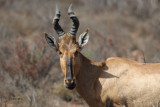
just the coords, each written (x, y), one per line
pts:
(30, 73)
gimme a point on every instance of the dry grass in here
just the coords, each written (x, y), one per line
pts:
(30, 73)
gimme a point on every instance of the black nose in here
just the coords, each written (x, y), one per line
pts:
(70, 84)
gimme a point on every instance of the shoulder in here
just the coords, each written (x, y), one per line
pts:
(119, 60)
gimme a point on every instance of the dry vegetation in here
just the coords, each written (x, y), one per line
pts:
(30, 74)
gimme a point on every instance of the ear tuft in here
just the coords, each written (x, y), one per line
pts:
(51, 40)
(83, 38)
(87, 30)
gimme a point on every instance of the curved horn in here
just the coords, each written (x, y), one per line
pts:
(55, 23)
(75, 20)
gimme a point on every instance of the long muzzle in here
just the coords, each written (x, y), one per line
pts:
(69, 82)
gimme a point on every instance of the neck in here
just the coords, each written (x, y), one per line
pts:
(88, 77)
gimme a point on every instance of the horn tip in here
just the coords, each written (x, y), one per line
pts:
(57, 9)
(56, 6)
(70, 8)
(87, 30)
(45, 34)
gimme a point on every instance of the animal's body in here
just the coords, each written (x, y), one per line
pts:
(117, 82)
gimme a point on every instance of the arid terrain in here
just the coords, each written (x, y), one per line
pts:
(30, 73)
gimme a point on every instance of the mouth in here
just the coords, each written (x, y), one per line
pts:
(70, 86)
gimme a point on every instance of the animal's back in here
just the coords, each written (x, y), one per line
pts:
(132, 83)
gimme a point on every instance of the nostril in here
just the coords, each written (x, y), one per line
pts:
(69, 81)
(70, 84)
(66, 81)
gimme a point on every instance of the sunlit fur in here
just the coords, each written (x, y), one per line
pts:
(68, 48)
(117, 82)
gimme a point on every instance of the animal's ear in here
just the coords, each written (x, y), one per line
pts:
(83, 38)
(51, 41)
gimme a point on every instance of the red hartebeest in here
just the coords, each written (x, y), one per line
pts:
(115, 82)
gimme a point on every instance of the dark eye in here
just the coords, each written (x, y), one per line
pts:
(76, 52)
(60, 53)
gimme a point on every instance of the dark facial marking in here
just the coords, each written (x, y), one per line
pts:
(69, 73)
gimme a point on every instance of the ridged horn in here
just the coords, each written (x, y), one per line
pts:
(55, 23)
(75, 20)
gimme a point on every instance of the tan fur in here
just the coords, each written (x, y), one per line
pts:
(67, 46)
(122, 81)
(117, 82)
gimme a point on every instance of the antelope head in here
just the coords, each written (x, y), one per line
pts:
(68, 48)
